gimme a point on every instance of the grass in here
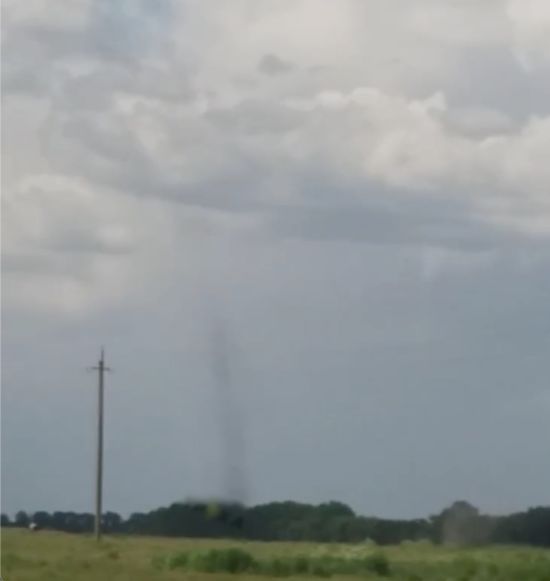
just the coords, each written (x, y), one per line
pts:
(55, 556)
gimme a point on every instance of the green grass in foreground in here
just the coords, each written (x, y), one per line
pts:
(51, 556)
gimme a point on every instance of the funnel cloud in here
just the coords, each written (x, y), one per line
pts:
(229, 415)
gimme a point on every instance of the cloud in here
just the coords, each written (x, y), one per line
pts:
(256, 117)
(531, 28)
(71, 247)
(61, 215)
(363, 190)
(271, 64)
(412, 225)
(263, 151)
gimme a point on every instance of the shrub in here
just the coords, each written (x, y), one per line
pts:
(378, 563)
(178, 560)
(300, 565)
(320, 569)
(158, 562)
(466, 567)
(277, 567)
(236, 560)
(223, 560)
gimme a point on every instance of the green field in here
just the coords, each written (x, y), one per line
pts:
(51, 556)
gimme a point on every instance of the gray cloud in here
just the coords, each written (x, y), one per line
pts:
(256, 117)
(335, 351)
(493, 80)
(374, 236)
(416, 225)
(271, 64)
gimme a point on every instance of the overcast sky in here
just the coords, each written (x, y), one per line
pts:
(313, 236)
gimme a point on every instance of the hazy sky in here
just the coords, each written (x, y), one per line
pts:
(354, 196)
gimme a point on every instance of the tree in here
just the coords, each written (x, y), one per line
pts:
(85, 522)
(137, 523)
(5, 520)
(460, 523)
(531, 527)
(112, 522)
(335, 509)
(22, 519)
(42, 519)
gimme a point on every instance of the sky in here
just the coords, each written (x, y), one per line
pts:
(312, 236)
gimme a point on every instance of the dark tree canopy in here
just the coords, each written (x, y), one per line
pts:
(460, 523)
(22, 519)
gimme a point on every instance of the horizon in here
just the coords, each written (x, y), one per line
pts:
(228, 503)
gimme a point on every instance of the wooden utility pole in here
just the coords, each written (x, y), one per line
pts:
(101, 368)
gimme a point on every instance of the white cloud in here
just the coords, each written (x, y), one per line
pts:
(46, 13)
(464, 23)
(71, 247)
(531, 27)
(367, 112)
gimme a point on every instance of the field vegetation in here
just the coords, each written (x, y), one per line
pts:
(56, 556)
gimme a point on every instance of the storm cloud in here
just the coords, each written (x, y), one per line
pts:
(361, 189)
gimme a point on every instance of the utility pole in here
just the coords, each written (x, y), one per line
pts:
(100, 368)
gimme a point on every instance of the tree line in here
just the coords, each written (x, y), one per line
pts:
(461, 523)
